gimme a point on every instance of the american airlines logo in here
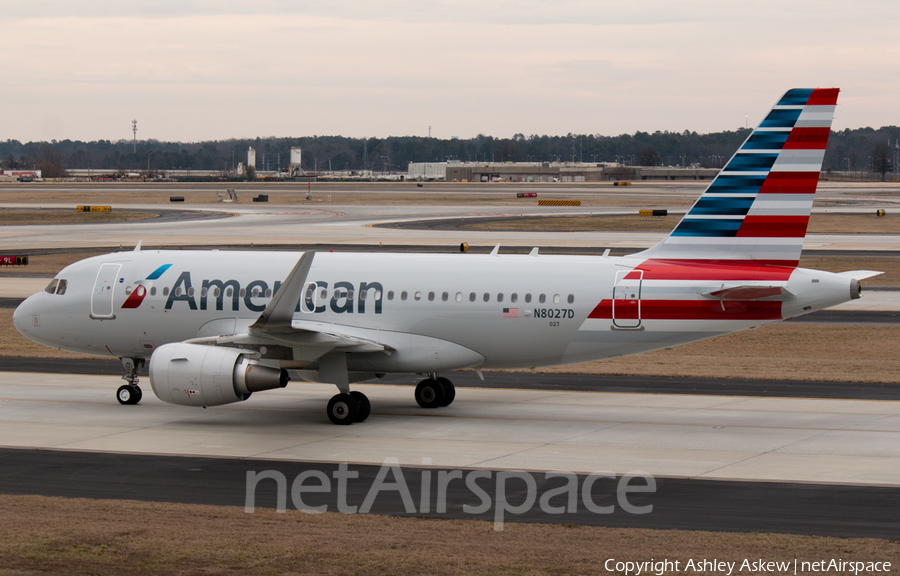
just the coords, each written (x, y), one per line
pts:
(216, 294)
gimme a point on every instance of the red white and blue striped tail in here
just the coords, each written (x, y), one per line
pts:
(758, 207)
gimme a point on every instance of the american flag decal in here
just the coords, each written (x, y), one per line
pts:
(510, 312)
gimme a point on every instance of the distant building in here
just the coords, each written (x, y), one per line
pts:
(427, 171)
(566, 172)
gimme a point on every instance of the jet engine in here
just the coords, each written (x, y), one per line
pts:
(198, 375)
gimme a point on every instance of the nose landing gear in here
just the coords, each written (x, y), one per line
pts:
(130, 393)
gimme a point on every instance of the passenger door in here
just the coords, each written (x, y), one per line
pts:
(104, 289)
(626, 304)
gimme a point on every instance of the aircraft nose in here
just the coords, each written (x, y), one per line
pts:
(22, 316)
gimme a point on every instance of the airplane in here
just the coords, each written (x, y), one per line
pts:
(218, 326)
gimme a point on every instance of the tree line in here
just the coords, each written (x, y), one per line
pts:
(857, 150)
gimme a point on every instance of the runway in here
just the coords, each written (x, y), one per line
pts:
(676, 503)
(808, 466)
(692, 436)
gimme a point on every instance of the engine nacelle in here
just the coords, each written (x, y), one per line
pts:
(197, 375)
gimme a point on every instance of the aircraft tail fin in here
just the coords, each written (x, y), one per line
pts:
(757, 208)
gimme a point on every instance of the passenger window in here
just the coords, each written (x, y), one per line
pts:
(377, 294)
(556, 298)
(127, 290)
(542, 298)
(403, 295)
(254, 293)
(390, 294)
(431, 296)
(418, 295)
(363, 294)
(528, 298)
(166, 291)
(204, 291)
(178, 291)
(322, 295)
(500, 297)
(217, 292)
(487, 297)
(228, 292)
(61, 289)
(243, 292)
(153, 291)
(459, 296)
(191, 292)
(445, 296)
(268, 293)
(51, 287)
(349, 294)
(513, 297)
(472, 297)
(571, 298)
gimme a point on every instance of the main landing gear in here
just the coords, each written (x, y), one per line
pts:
(435, 392)
(348, 408)
(130, 393)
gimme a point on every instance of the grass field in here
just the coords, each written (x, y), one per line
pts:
(17, 217)
(818, 223)
(41, 535)
(781, 351)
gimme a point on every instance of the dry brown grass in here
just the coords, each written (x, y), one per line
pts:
(818, 223)
(854, 223)
(330, 195)
(109, 537)
(582, 224)
(780, 351)
(13, 217)
(50, 263)
(890, 266)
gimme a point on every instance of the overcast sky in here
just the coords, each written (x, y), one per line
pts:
(200, 70)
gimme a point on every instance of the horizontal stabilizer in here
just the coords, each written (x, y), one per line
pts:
(750, 293)
(860, 274)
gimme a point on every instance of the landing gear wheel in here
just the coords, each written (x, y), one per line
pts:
(449, 390)
(343, 409)
(365, 407)
(430, 394)
(128, 394)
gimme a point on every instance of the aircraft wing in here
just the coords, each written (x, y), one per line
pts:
(276, 335)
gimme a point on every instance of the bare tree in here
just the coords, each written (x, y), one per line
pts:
(648, 157)
(11, 162)
(44, 158)
(881, 158)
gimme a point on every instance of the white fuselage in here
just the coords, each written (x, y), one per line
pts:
(435, 312)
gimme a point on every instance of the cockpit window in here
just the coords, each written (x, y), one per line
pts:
(51, 288)
(57, 286)
(61, 289)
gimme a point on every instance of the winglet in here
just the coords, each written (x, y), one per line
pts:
(280, 310)
(138, 247)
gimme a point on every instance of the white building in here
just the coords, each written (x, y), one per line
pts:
(427, 171)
